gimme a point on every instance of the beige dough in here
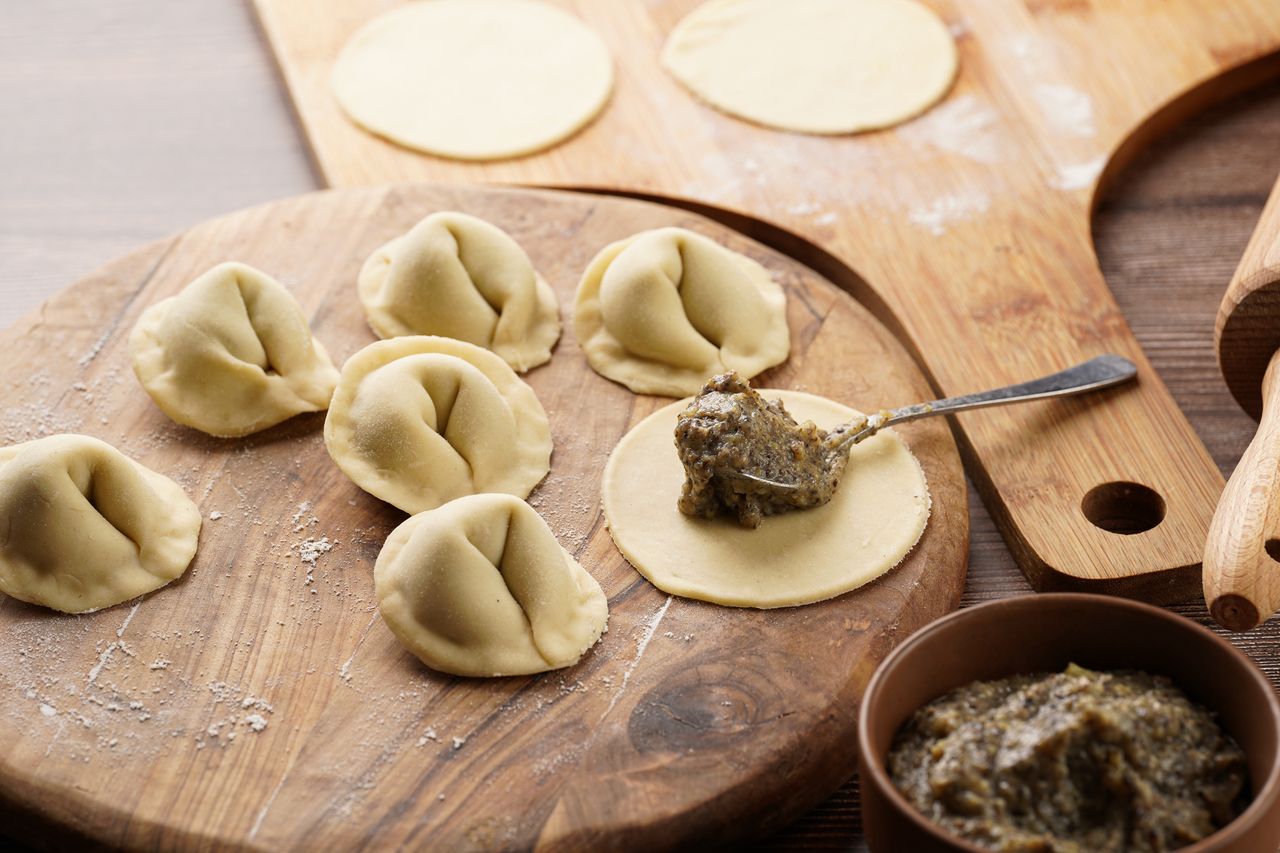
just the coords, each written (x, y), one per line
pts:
(872, 522)
(231, 354)
(665, 310)
(473, 79)
(481, 587)
(815, 66)
(418, 421)
(83, 527)
(460, 277)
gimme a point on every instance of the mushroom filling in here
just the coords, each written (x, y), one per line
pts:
(729, 434)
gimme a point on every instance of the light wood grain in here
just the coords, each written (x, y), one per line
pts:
(1247, 332)
(689, 721)
(1242, 552)
(968, 231)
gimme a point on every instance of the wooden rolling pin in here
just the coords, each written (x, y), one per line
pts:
(1242, 555)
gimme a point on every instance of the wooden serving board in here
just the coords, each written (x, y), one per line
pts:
(967, 231)
(135, 726)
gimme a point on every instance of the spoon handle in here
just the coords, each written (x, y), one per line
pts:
(1101, 372)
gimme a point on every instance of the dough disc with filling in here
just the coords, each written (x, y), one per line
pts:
(814, 66)
(473, 79)
(875, 518)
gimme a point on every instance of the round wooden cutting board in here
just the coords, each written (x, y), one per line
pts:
(259, 702)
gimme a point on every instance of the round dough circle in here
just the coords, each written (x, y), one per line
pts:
(814, 66)
(473, 79)
(875, 518)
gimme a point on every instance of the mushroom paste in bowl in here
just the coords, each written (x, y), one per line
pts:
(1071, 762)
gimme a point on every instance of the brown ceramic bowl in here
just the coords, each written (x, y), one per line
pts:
(1037, 633)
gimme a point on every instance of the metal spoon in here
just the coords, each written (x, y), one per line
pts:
(1101, 372)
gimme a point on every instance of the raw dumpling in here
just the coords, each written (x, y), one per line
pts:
(84, 527)
(419, 421)
(231, 354)
(481, 587)
(665, 310)
(460, 277)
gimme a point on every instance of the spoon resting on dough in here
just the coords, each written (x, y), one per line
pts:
(747, 455)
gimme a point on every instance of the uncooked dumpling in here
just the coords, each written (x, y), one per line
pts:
(473, 79)
(460, 277)
(418, 421)
(665, 310)
(231, 354)
(816, 66)
(84, 527)
(873, 520)
(481, 587)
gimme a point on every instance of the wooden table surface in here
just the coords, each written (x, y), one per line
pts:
(126, 120)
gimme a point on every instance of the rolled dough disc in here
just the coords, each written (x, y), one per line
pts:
(815, 66)
(473, 79)
(875, 518)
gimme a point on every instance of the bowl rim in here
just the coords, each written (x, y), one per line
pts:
(873, 764)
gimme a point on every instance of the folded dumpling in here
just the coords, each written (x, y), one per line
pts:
(84, 527)
(231, 354)
(420, 420)
(481, 587)
(663, 311)
(460, 277)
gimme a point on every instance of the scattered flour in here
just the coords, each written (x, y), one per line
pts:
(650, 627)
(1078, 176)
(223, 731)
(300, 519)
(1067, 108)
(88, 357)
(936, 216)
(963, 125)
(311, 550)
(103, 659)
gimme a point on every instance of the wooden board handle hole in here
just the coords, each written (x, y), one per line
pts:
(1124, 508)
